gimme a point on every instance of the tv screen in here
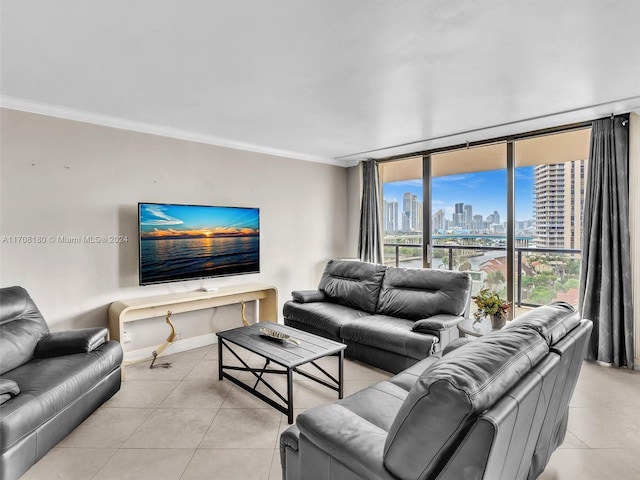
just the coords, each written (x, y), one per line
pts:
(187, 242)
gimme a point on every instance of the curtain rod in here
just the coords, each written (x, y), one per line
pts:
(491, 141)
(476, 130)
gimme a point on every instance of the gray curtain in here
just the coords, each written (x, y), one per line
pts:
(370, 240)
(605, 277)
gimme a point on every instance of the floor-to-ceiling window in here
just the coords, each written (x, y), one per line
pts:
(508, 213)
(469, 214)
(550, 173)
(402, 211)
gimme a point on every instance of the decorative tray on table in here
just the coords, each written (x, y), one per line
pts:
(275, 335)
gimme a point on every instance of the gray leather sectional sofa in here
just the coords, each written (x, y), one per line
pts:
(388, 317)
(49, 381)
(494, 408)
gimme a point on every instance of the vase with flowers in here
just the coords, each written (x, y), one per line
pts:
(491, 305)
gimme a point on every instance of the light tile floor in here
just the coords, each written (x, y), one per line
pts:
(183, 424)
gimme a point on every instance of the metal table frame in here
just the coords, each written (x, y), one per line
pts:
(286, 407)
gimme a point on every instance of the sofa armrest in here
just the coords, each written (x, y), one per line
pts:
(345, 436)
(82, 340)
(436, 323)
(8, 390)
(289, 458)
(308, 296)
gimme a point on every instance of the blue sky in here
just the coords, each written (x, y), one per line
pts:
(486, 191)
(197, 220)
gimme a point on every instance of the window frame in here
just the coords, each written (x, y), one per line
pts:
(510, 143)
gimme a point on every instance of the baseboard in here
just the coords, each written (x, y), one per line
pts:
(176, 347)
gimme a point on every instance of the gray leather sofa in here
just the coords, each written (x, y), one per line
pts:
(494, 408)
(388, 317)
(49, 381)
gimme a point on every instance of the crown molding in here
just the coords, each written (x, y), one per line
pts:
(58, 111)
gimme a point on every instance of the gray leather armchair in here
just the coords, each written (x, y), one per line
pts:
(49, 381)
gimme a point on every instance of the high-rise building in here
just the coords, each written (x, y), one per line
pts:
(411, 213)
(406, 212)
(494, 218)
(438, 221)
(419, 219)
(468, 217)
(458, 215)
(478, 222)
(557, 204)
(390, 215)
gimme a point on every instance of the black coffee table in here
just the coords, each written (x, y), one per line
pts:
(284, 353)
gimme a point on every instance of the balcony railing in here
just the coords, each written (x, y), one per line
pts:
(553, 272)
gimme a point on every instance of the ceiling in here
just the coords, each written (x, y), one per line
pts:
(323, 80)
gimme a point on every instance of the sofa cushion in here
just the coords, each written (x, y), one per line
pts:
(457, 343)
(389, 333)
(321, 318)
(378, 404)
(409, 376)
(417, 293)
(21, 327)
(353, 284)
(451, 393)
(552, 321)
(49, 385)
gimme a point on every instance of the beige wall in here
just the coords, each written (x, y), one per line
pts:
(66, 178)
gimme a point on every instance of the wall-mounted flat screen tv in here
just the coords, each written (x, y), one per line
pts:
(188, 242)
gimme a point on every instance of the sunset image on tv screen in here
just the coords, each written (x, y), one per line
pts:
(183, 242)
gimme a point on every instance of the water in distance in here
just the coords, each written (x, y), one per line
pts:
(170, 259)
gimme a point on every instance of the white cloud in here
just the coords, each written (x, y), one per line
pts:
(417, 183)
(160, 217)
(451, 178)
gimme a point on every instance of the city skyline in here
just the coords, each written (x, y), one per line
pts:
(472, 189)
